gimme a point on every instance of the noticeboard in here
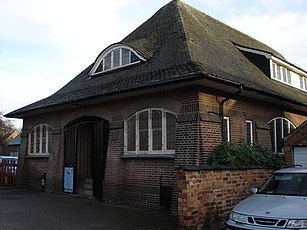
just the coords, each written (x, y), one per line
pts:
(69, 179)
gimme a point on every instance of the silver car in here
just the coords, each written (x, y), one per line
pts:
(280, 203)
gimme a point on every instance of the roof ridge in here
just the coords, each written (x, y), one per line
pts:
(189, 8)
(182, 26)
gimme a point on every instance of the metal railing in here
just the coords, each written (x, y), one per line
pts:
(8, 171)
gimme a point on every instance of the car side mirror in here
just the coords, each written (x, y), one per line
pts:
(253, 190)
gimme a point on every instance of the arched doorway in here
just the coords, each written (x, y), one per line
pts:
(85, 150)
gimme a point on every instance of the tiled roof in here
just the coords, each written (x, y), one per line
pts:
(179, 42)
(15, 141)
(293, 136)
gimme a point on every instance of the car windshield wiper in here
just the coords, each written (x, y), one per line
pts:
(280, 193)
(266, 192)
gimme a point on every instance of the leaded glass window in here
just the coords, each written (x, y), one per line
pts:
(280, 128)
(116, 57)
(151, 131)
(39, 139)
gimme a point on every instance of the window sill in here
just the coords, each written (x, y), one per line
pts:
(148, 156)
(45, 156)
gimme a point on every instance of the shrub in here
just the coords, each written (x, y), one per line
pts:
(243, 154)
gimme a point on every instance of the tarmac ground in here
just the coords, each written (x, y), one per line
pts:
(22, 209)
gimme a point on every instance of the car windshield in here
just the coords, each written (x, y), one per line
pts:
(293, 184)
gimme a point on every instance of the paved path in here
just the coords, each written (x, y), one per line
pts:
(29, 210)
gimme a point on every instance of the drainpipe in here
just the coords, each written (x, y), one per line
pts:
(221, 105)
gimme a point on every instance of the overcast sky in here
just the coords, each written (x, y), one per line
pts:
(44, 44)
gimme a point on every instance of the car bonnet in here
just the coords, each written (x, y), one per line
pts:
(275, 206)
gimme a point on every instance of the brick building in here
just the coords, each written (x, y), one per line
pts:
(295, 146)
(12, 146)
(163, 97)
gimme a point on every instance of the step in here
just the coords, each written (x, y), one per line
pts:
(88, 181)
(88, 186)
(85, 192)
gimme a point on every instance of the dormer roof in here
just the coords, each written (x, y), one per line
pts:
(180, 44)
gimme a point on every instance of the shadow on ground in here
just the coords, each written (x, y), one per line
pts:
(24, 209)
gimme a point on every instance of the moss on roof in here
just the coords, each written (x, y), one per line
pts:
(178, 42)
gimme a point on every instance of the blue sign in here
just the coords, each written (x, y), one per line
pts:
(69, 179)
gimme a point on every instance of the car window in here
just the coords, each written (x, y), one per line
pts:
(294, 184)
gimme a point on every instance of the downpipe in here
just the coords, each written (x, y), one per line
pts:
(221, 107)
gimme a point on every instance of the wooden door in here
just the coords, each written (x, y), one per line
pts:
(85, 150)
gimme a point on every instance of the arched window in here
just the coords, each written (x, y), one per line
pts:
(115, 56)
(151, 131)
(280, 127)
(39, 139)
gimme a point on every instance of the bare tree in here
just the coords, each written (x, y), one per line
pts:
(6, 128)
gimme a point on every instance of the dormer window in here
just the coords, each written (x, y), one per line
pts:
(287, 73)
(281, 73)
(279, 70)
(115, 56)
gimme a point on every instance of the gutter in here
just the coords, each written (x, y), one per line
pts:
(221, 107)
(73, 103)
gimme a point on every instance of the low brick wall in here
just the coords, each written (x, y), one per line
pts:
(32, 175)
(207, 194)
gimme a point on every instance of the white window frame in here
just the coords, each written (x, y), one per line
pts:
(282, 131)
(110, 50)
(303, 83)
(249, 122)
(281, 73)
(150, 150)
(294, 76)
(40, 138)
(227, 125)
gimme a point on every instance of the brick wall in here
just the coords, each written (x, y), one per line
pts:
(210, 138)
(187, 143)
(198, 132)
(206, 195)
(114, 178)
(34, 168)
(143, 178)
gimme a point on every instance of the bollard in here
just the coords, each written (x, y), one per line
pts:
(43, 182)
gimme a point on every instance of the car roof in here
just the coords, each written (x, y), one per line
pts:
(295, 169)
